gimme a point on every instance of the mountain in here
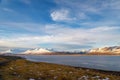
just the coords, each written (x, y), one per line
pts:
(13, 50)
(106, 50)
(19, 50)
(6, 52)
(38, 51)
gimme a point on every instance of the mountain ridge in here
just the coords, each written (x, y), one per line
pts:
(38, 51)
(105, 50)
(102, 50)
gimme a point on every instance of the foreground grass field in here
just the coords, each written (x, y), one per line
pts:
(16, 68)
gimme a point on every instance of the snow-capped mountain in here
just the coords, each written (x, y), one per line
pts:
(6, 52)
(38, 51)
(13, 50)
(113, 50)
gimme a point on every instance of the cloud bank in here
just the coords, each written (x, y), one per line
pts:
(63, 37)
(60, 24)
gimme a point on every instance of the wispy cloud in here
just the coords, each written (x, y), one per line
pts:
(8, 9)
(111, 4)
(61, 15)
(105, 28)
(29, 27)
(64, 24)
(66, 15)
(91, 10)
(58, 36)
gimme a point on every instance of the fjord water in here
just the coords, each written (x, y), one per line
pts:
(110, 63)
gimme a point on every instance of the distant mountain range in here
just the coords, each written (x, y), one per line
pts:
(6, 52)
(13, 51)
(104, 50)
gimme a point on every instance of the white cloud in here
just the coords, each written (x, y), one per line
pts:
(83, 36)
(104, 10)
(61, 15)
(73, 11)
(58, 35)
(89, 6)
(65, 15)
(8, 43)
(79, 5)
(25, 41)
(104, 28)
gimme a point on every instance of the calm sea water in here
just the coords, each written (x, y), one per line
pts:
(111, 63)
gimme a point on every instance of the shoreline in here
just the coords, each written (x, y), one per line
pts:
(75, 66)
(18, 67)
(67, 65)
(108, 72)
(84, 68)
(70, 54)
(101, 70)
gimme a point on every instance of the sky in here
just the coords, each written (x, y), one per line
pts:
(59, 24)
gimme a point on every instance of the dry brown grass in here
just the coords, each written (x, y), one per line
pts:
(21, 69)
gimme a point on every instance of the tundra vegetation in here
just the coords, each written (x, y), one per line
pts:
(17, 68)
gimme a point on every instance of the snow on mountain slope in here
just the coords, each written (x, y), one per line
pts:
(114, 49)
(6, 52)
(38, 51)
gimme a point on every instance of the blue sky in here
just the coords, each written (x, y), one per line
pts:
(59, 24)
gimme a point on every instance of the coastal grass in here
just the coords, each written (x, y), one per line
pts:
(16, 68)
